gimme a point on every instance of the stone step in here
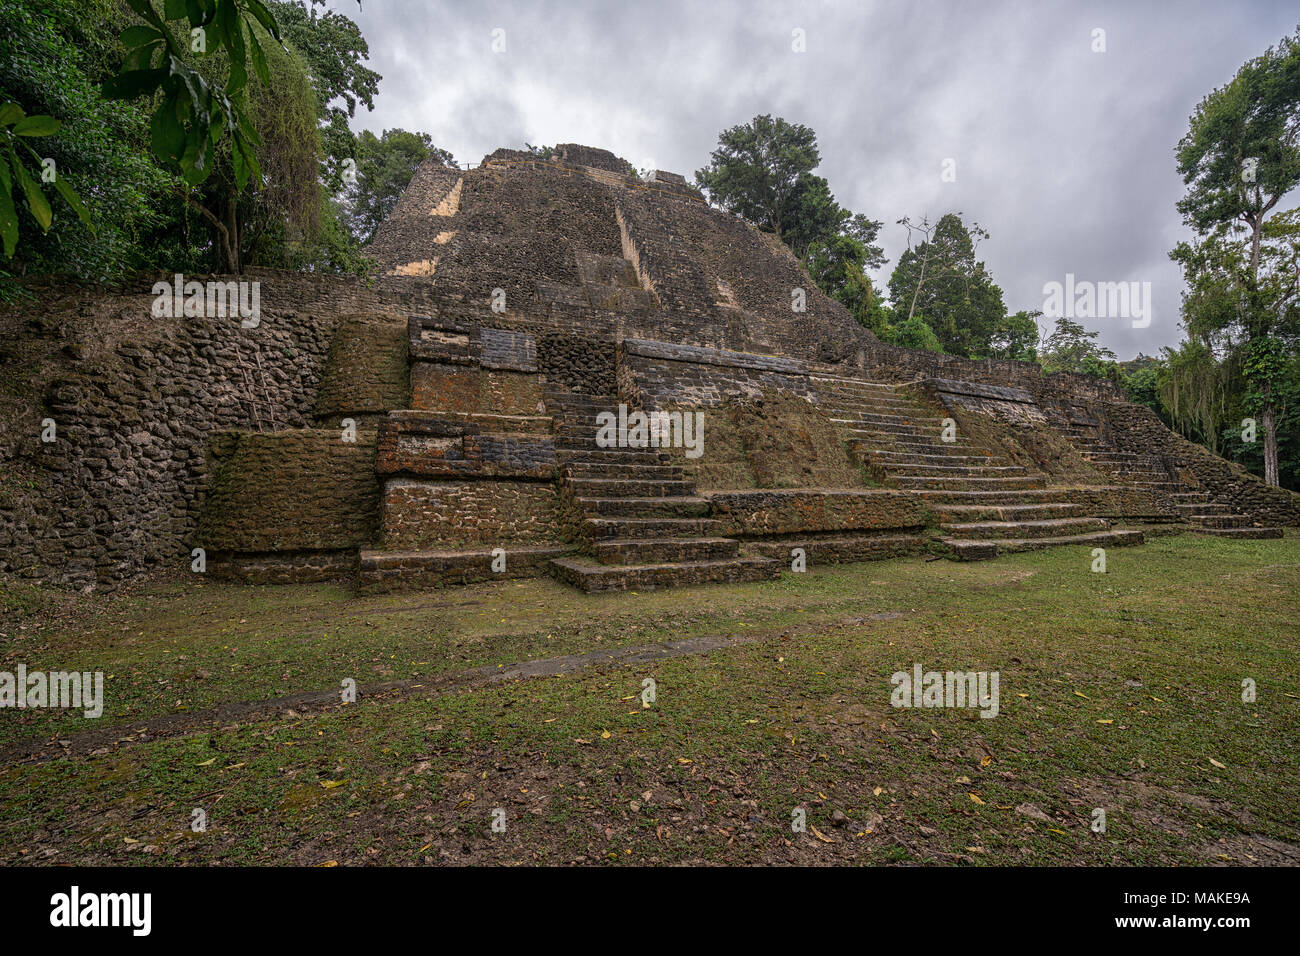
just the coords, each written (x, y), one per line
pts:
(1255, 534)
(923, 422)
(973, 471)
(1197, 508)
(612, 456)
(850, 410)
(591, 577)
(629, 488)
(839, 548)
(966, 513)
(1190, 496)
(1219, 520)
(396, 570)
(871, 430)
(1044, 528)
(890, 458)
(914, 445)
(600, 529)
(963, 549)
(968, 484)
(681, 506)
(641, 551)
(596, 469)
(1021, 496)
(1163, 485)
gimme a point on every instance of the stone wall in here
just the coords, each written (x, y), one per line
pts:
(431, 515)
(135, 399)
(301, 490)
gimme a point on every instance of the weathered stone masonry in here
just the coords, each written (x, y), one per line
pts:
(517, 301)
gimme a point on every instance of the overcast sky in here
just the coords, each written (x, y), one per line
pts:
(1063, 154)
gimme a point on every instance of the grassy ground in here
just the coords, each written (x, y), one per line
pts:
(1119, 691)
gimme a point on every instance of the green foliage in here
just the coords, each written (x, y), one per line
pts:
(757, 167)
(52, 58)
(913, 333)
(1072, 348)
(940, 279)
(1016, 337)
(15, 126)
(333, 48)
(1239, 158)
(192, 113)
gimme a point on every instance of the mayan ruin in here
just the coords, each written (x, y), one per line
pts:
(519, 300)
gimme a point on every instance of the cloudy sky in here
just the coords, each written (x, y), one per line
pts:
(1064, 154)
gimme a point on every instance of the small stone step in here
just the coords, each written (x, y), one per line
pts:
(957, 471)
(899, 458)
(1020, 496)
(612, 456)
(962, 549)
(1035, 512)
(970, 484)
(1256, 534)
(1197, 508)
(629, 488)
(592, 577)
(1043, 528)
(680, 506)
(599, 529)
(595, 469)
(640, 551)
(1220, 521)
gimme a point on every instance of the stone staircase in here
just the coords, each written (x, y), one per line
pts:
(639, 522)
(1195, 506)
(986, 505)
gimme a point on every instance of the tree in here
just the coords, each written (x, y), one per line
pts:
(333, 48)
(913, 333)
(756, 168)
(1016, 337)
(1239, 158)
(1072, 348)
(940, 280)
(385, 165)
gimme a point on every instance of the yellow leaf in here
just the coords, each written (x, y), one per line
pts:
(878, 791)
(604, 735)
(985, 760)
(683, 760)
(206, 763)
(329, 863)
(976, 799)
(1054, 830)
(1105, 721)
(129, 840)
(1221, 766)
(1084, 696)
(819, 835)
(331, 784)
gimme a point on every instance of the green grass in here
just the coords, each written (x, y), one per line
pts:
(1119, 691)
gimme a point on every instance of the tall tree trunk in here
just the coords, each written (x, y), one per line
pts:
(1267, 419)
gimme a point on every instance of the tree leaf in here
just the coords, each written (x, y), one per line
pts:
(37, 126)
(36, 201)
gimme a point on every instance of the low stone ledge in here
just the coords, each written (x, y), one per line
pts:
(771, 511)
(283, 567)
(703, 355)
(838, 549)
(394, 570)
